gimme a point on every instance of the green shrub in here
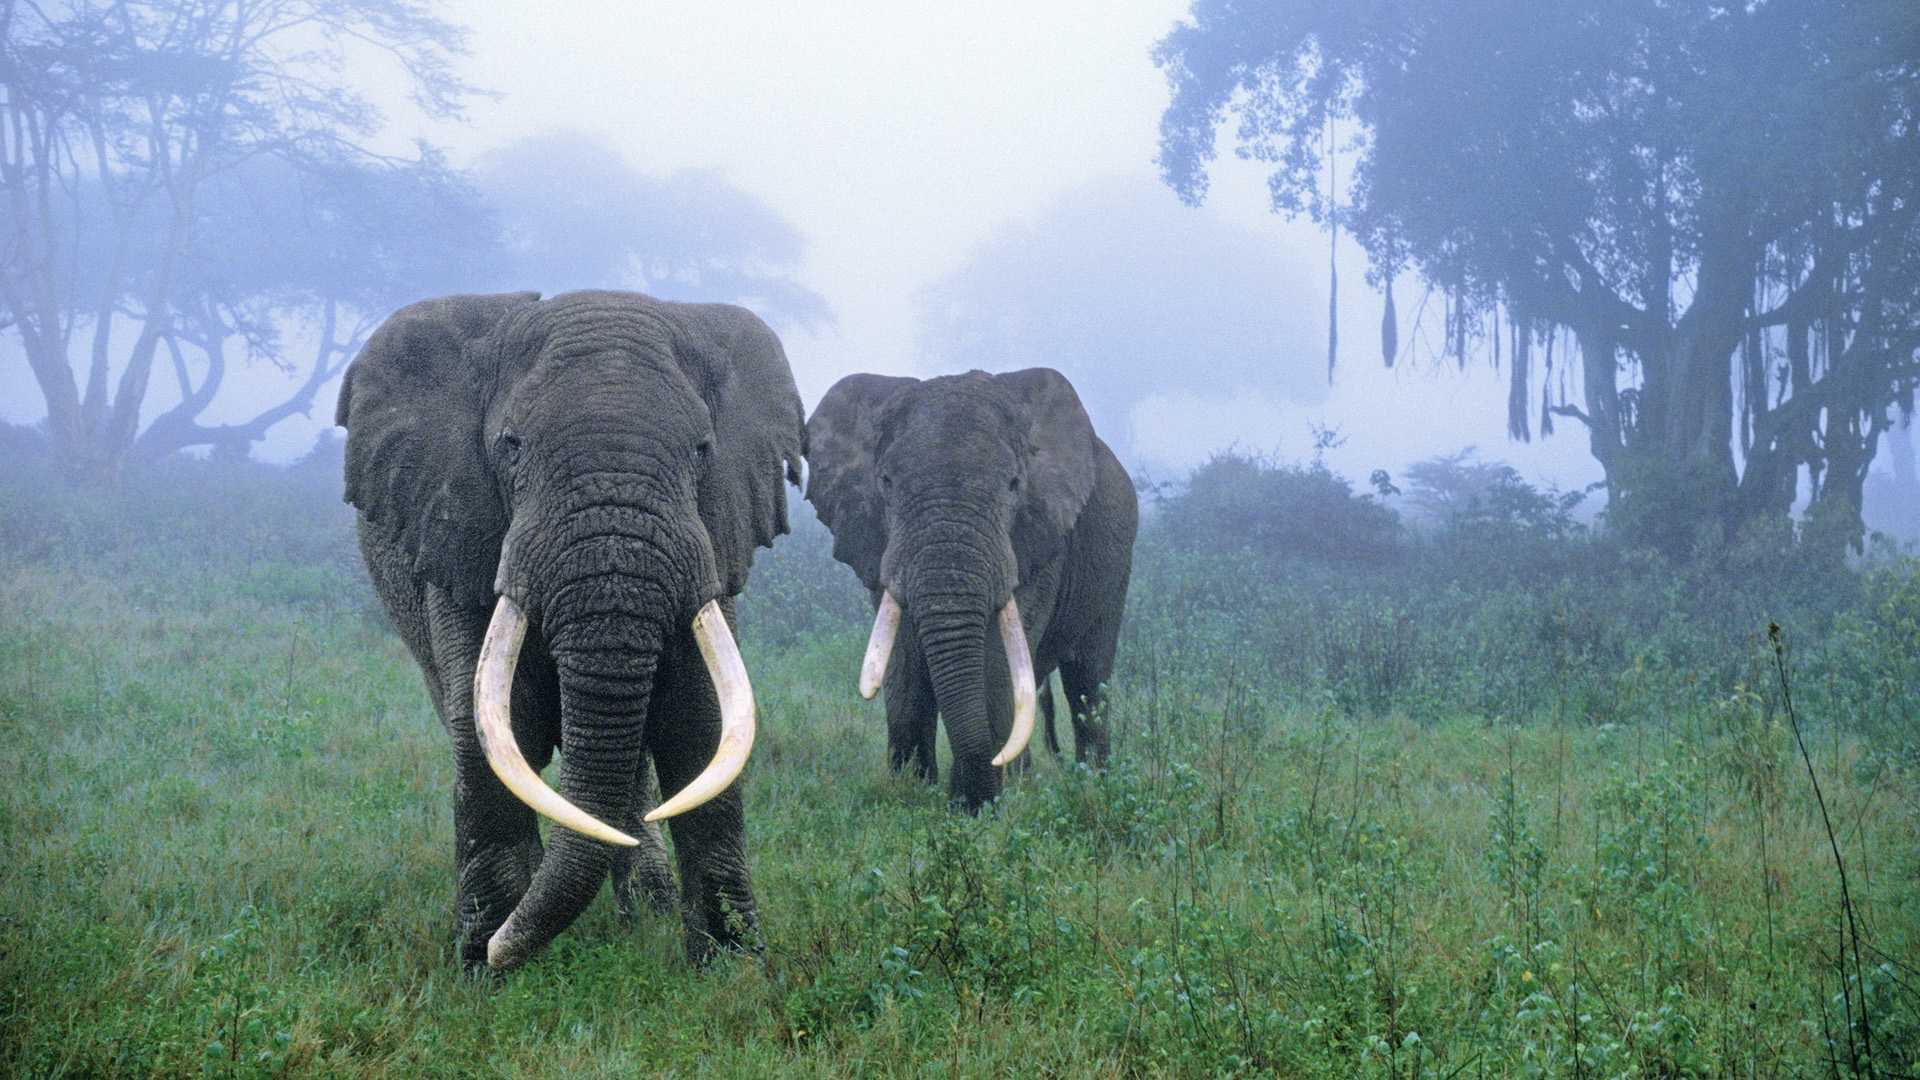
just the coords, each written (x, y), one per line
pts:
(1242, 501)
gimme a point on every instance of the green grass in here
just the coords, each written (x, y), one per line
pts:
(227, 851)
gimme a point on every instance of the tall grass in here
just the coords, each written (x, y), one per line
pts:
(1391, 821)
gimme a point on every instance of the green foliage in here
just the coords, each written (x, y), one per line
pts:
(1239, 500)
(1319, 851)
(1487, 502)
(798, 591)
(1871, 665)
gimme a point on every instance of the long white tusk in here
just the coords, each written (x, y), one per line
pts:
(493, 717)
(886, 623)
(730, 685)
(1020, 668)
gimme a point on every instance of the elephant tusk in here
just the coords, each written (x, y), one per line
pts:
(1020, 669)
(493, 718)
(886, 624)
(730, 685)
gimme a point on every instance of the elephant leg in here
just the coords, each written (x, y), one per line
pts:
(1084, 681)
(912, 713)
(643, 876)
(709, 841)
(496, 837)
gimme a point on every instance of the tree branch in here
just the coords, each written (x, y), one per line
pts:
(1573, 411)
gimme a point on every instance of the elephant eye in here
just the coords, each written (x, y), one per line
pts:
(1013, 484)
(886, 480)
(509, 446)
(703, 450)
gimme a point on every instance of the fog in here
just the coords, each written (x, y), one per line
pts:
(884, 160)
(1489, 643)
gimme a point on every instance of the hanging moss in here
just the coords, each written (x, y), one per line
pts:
(1333, 312)
(1389, 328)
(1546, 387)
(1517, 397)
(1333, 251)
(1459, 328)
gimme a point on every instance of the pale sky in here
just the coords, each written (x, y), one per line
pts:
(897, 138)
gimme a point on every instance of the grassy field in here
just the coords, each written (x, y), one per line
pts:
(1328, 847)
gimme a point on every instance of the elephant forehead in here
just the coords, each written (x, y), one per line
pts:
(960, 405)
(632, 387)
(947, 438)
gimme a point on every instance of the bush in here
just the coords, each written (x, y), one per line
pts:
(1240, 501)
(1506, 605)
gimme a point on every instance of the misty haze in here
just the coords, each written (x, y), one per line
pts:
(1178, 538)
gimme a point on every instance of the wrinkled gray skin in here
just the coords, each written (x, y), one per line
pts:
(954, 494)
(610, 462)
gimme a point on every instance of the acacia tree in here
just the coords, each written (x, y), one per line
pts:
(1709, 206)
(572, 213)
(144, 145)
(306, 254)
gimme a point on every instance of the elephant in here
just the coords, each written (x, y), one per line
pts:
(963, 501)
(557, 501)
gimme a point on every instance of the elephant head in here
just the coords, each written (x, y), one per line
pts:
(945, 496)
(599, 466)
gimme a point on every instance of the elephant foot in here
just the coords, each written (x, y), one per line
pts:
(1090, 744)
(719, 912)
(492, 881)
(642, 879)
(972, 784)
(923, 768)
(733, 931)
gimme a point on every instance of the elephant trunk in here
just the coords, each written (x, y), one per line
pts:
(953, 638)
(612, 600)
(606, 665)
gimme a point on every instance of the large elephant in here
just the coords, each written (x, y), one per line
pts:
(977, 507)
(558, 501)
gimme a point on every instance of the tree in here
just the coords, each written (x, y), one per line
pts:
(1487, 501)
(1443, 488)
(158, 158)
(1892, 497)
(1247, 501)
(1709, 206)
(1126, 293)
(325, 252)
(573, 214)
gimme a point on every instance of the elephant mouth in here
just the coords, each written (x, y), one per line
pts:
(1013, 638)
(493, 718)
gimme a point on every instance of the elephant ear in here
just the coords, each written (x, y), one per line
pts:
(413, 403)
(843, 451)
(759, 429)
(1061, 456)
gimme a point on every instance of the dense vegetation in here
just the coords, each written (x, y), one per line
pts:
(1487, 798)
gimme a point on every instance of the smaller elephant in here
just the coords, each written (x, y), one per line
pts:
(976, 507)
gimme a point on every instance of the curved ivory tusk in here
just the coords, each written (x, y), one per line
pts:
(1020, 669)
(730, 685)
(493, 718)
(886, 623)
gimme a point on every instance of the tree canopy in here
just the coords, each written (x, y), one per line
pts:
(133, 136)
(195, 184)
(1710, 207)
(574, 214)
